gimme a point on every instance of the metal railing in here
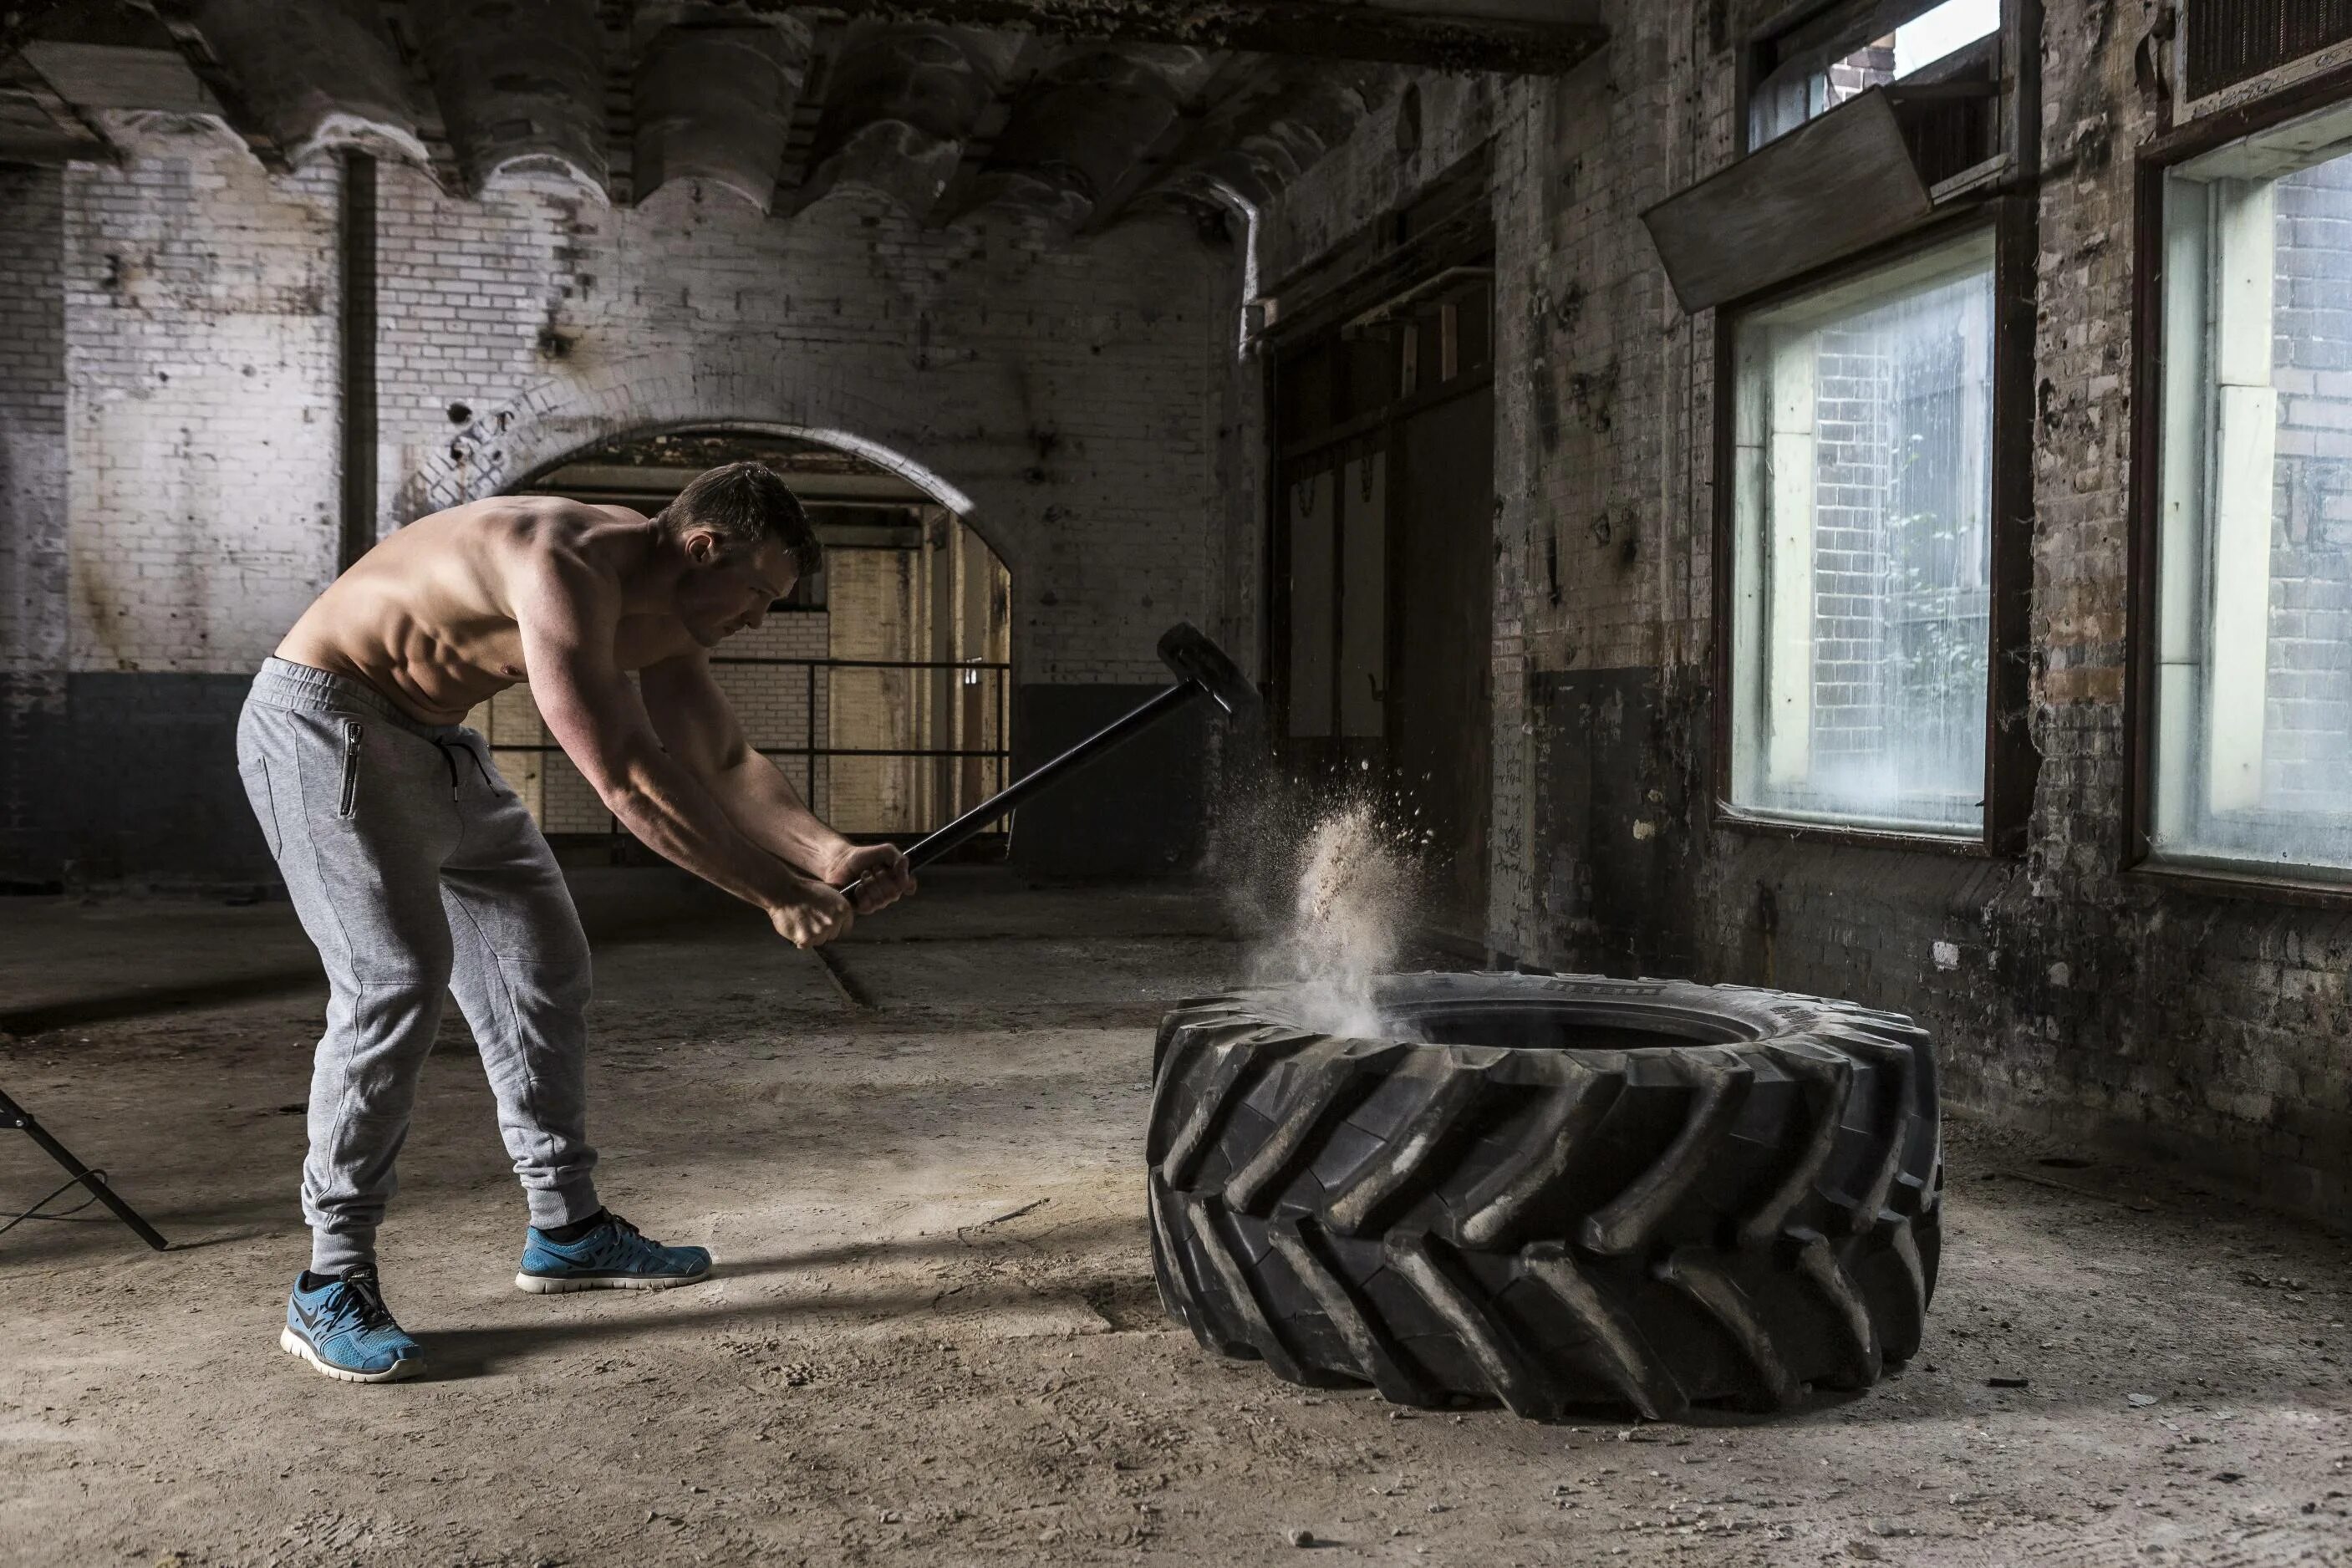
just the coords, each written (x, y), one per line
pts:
(997, 673)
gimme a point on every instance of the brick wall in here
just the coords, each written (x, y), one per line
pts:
(1900, 603)
(2063, 993)
(171, 376)
(2307, 732)
(33, 555)
(1859, 72)
(32, 421)
(1853, 431)
(199, 302)
(1064, 390)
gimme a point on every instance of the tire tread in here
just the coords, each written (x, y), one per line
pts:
(1557, 1228)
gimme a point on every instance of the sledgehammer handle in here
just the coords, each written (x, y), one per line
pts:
(933, 845)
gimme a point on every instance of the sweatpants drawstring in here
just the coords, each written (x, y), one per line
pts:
(445, 745)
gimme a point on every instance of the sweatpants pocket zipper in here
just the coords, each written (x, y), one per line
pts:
(350, 767)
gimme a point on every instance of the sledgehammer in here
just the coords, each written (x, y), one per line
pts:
(1202, 669)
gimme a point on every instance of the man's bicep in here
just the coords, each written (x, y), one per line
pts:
(589, 708)
(692, 716)
(567, 622)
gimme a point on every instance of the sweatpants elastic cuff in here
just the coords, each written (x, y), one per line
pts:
(340, 1252)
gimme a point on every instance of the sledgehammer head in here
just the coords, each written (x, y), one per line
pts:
(1185, 649)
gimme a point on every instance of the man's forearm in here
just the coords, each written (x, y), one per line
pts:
(765, 807)
(678, 820)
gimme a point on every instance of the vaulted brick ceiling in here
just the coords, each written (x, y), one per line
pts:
(1076, 111)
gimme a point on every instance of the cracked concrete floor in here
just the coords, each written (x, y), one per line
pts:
(934, 1337)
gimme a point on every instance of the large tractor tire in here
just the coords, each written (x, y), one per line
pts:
(1581, 1193)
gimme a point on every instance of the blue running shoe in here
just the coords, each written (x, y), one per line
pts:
(613, 1256)
(342, 1328)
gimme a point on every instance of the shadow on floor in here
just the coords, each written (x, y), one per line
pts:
(294, 977)
(457, 1353)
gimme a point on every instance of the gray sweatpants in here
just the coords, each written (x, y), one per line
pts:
(416, 870)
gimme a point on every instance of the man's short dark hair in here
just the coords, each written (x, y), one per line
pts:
(743, 504)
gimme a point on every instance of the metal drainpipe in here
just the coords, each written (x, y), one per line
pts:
(359, 324)
(1256, 313)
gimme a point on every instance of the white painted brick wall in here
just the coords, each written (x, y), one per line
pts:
(32, 435)
(1065, 390)
(200, 298)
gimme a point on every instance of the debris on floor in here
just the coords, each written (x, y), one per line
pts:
(894, 1329)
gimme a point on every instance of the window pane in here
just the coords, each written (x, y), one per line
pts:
(1809, 87)
(1954, 24)
(1863, 563)
(2254, 626)
(1806, 85)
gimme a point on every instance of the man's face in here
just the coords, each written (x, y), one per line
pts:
(722, 594)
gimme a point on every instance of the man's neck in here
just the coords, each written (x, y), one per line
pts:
(648, 567)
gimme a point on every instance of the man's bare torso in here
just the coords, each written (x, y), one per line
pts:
(426, 617)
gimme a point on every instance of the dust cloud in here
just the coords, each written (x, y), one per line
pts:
(1325, 891)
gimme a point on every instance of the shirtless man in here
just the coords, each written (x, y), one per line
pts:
(415, 868)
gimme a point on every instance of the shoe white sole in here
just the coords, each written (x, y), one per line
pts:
(546, 1285)
(295, 1346)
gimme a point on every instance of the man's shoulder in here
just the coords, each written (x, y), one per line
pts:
(556, 516)
(541, 518)
(547, 553)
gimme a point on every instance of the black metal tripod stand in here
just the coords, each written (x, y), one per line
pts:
(15, 1115)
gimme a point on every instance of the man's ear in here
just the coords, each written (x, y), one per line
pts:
(701, 546)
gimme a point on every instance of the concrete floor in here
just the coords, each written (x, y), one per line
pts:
(934, 1337)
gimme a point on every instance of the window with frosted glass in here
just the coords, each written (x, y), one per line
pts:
(1862, 555)
(2253, 743)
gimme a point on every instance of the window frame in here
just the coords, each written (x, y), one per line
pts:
(2015, 43)
(2153, 162)
(2011, 762)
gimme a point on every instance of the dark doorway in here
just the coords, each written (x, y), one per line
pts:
(1441, 649)
(1381, 555)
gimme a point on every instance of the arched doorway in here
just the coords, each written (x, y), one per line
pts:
(881, 686)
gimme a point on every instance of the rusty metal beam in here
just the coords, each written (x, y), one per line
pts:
(1458, 36)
